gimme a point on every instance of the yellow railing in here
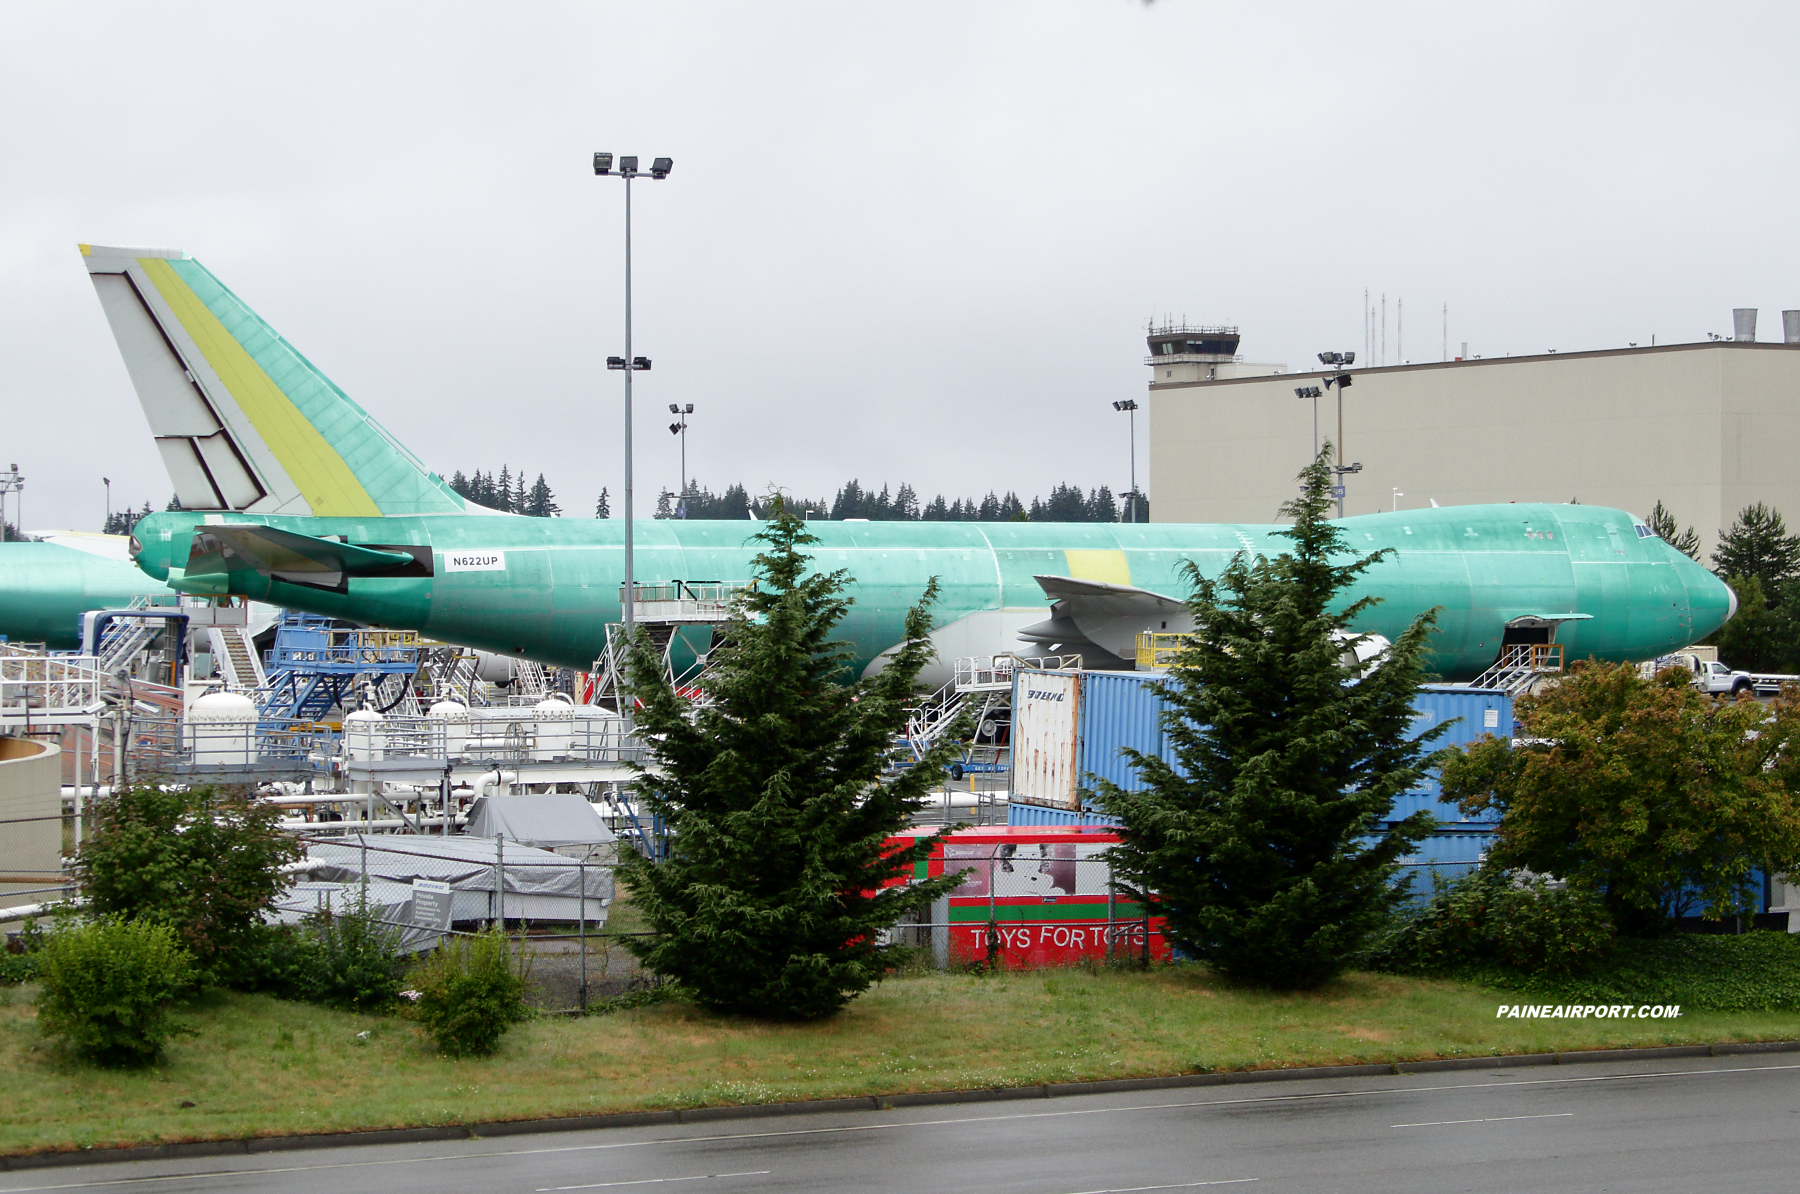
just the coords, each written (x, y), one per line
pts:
(1156, 649)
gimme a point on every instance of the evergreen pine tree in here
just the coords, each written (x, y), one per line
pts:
(602, 508)
(849, 502)
(1260, 844)
(519, 498)
(541, 503)
(1065, 505)
(779, 882)
(734, 503)
(1669, 531)
(937, 510)
(906, 504)
(1758, 545)
(459, 484)
(665, 505)
(174, 502)
(1102, 507)
(502, 492)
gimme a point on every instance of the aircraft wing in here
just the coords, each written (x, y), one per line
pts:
(1101, 621)
(220, 550)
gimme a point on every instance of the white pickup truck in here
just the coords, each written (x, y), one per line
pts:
(1709, 676)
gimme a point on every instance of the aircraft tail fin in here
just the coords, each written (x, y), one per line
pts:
(242, 420)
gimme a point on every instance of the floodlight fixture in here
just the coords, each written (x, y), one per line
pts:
(1127, 404)
(674, 428)
(641, 364)
(628, 165)
(615, 362)
(688, 409)
(661, 166)
(1329, 358)
(603, 163)
(1350, 359)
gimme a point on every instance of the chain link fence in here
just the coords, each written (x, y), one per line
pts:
(560, 908)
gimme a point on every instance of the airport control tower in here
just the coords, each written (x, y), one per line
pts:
(1179, 353)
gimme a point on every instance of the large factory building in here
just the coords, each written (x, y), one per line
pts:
(1706, 428)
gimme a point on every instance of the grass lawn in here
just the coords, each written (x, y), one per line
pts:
(259, 1066)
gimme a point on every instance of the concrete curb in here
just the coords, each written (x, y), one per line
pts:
(928, 1098)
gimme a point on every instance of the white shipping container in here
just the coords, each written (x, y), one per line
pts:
(1046, 708)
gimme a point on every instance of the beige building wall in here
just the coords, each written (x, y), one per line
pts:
(30, 846)
(1706, 428)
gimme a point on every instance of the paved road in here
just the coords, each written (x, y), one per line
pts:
(1729, 1123)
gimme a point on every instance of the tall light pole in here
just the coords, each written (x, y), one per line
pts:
(12, 482)
(1341, 361)
(679, 427)
(1129, 406)
(1315, 393)
(628, 170)
(106, 526)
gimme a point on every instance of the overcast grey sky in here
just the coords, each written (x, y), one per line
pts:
(904, 242)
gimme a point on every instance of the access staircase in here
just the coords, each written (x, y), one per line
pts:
(661, 612)
(236, 658)
(1520, 666)
(980, 687)
(125, 637)
(316, 665)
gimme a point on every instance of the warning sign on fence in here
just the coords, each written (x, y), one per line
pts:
(431, 904)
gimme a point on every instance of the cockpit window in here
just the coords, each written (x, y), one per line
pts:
(1645, 532)
(137, 549)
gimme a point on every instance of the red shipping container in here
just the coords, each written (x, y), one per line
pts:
(1039, 896)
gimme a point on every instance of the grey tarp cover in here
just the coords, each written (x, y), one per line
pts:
(390, 901)
(552, 822)
(540, 885)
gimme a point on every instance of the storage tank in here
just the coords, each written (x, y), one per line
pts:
(454, 716)
(365, 736)
(220, 729)
(555, 723)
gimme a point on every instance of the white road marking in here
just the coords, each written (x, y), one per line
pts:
(651, 1181)
(1502, 1084)
(1438, 1123)
(1233, 1181)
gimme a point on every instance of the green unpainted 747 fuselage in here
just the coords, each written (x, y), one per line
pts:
(546, 588)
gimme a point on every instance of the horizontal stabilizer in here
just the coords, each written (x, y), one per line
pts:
(218, 551)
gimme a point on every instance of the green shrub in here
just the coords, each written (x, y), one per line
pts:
(17, 967)
(108, 986)
(1748, 972)
(355, 960)
(205, 862)
(280, 959)
(349, 960)
(470, 992)
(1493, 917)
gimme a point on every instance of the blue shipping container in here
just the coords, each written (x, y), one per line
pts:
(1123, 709)
(1039, 814)
(1117, 710)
